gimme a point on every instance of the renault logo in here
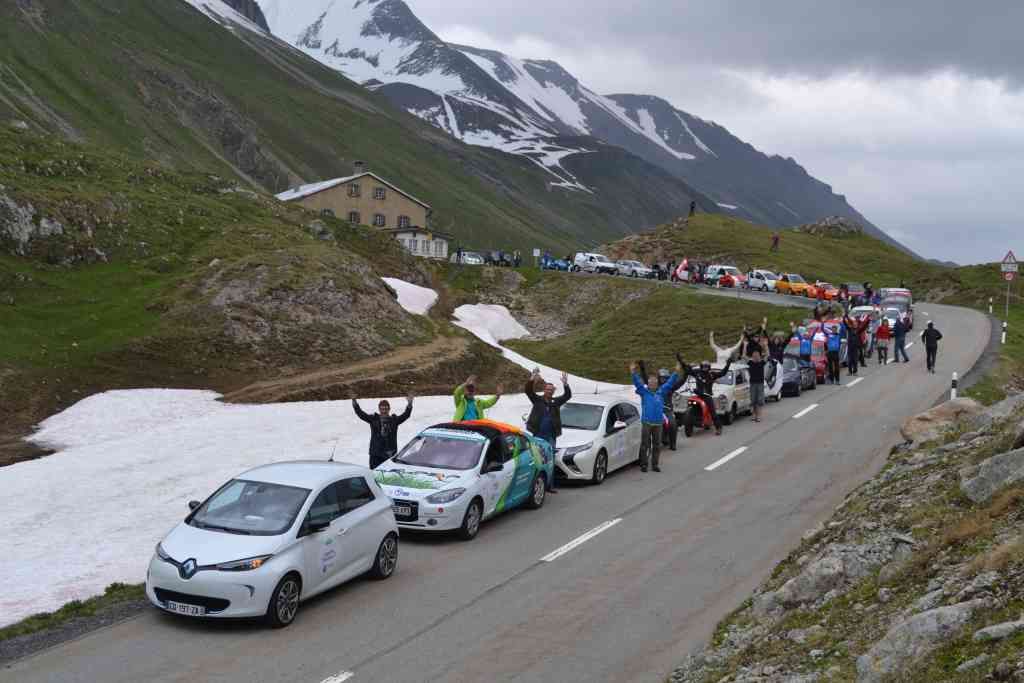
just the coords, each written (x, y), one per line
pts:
(188, 568)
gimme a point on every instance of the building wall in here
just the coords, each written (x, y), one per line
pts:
(393, 205)
(427, 246)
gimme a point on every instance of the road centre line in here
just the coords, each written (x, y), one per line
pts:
(805, 411)
(855, 382)
(579, 540)
(341, 677)
(718, 463)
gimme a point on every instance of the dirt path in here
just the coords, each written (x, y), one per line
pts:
(403, 361)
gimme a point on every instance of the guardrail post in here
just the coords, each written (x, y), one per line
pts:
(1004, 332)
(953, 388)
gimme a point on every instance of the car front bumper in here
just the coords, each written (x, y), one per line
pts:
(579, 466)
(429, 517)
(246, 594)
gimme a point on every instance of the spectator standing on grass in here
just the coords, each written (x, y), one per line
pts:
(652, 401)
(468, 406)
(693, 208)
(383, 429)
(899, 335)
(545, 420)
(775, 240)
(931, 337)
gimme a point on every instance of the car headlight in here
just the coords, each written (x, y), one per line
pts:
(445, 496)
(575, 450)
(245, 565)
(162, 554)
(722, 401)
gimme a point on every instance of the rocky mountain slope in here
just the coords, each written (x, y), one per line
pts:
(524, 106)
(160, 80)
(918, 577)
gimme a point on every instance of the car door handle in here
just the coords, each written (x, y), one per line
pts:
(341, 532)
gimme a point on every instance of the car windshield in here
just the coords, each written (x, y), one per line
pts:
(602, 259)
(795, 278)
(856, 289)
(250, 508)
(731, 271)
(454, 450)
(789, 363)
(631, 264)
(581, 416)
(728, 378)
(768, 275)
(826, 285)
(897, 305)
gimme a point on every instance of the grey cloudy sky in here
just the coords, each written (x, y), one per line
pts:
(914, 109)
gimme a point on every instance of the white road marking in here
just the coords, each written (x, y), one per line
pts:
(856, 382)
(718, 463)
(805, 411)
(580, 540)
(339, 678)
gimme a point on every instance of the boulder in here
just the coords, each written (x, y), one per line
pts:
(999, 631)
(933, 423)
(998, 411)
(910, 640)
(981, 482)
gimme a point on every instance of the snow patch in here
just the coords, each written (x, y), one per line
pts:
(413, 298)
(650, 129)
(696, 140)
(731, 207)
(225, 15)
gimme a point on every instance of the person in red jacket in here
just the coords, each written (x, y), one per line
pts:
(882, 336)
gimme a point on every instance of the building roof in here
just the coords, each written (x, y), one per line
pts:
(425, 231)
(303, 191)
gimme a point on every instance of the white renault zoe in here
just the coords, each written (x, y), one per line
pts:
(273, 537)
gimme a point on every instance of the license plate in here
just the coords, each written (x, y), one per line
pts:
(402, 510)
(188, 610)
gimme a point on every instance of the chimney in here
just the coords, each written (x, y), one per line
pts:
(359, 167)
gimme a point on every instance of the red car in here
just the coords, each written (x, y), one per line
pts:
(827, 291)
(819, 355)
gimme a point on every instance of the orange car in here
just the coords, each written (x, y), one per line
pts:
(794, 285)
(826, 291)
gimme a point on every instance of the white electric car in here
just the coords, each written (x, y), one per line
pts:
(451, 477)
(598, 436)
(273, 537)
(773, 381)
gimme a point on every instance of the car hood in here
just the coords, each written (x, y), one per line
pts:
(575, 437)
(208, 547)
(408, 481)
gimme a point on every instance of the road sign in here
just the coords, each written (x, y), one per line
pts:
(536, 253)
(1009, 275)
(1009, 264)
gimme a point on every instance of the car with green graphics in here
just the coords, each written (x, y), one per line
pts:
(453, 476)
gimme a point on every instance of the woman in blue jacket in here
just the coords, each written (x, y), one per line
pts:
(652, 414)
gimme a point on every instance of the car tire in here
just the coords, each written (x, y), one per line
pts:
(730, 415)
(386, 561)
(688, 424)
(471, 520)
(538, 492)
(634, 274)
(764, 289)
(284, 602)
(815, 385)
(799, 389)
(600, 469)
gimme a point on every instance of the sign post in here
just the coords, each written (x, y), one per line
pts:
(1009, 268)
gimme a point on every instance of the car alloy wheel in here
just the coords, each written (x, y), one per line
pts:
(387, 558)
(471, 522)
(600, 469)
(284, 602)
(538, 492)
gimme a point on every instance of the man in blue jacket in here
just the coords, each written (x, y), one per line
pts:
(652, 401)
(833, 347)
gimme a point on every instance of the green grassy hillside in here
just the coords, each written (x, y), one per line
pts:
(160, 81)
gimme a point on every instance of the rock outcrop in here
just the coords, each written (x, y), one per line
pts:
(932, 424)
(981, 482)
(833, 226)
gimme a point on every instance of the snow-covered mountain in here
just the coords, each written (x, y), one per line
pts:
(532, 107)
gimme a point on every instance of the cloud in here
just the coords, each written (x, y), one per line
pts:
(913, 110)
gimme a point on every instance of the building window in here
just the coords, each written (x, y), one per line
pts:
(354, 218)
(327, 212)
(411, 245)
(354, 191)
(403, 221)
(379, 220)
(379, 193)
(425, 246)
(438, 248)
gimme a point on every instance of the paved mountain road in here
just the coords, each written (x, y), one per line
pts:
(679, 551)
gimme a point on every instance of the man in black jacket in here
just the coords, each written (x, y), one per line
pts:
(383, 429)
(545, 420)
(931, 337)
(705, 379)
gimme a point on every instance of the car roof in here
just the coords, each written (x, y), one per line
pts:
(307, 474)
(601, 401)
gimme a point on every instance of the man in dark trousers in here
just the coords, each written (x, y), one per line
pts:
(705, 379)
(545, 421)
(899, 335)
(931, 337)
(652, 403)
(383, 429)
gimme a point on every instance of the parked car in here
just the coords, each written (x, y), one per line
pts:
(453, 476)
(469, 258)
(792, 284)
(633, 269)
(498, 258)
(554, 264)
(797, 375)
(875, 316)
(724, 276)
(763, 280)
(594, 263)
(853, 292)
(893, 292)
(903, 306)
(599, 435)
(272, 538)
(819, 355)
(773, 381)
(826, 291)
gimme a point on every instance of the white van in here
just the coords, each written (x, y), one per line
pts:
(594, 263)
(763, 280)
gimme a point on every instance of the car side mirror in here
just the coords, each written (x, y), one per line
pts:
(619, 424)
(193, 504)
(317, 527)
